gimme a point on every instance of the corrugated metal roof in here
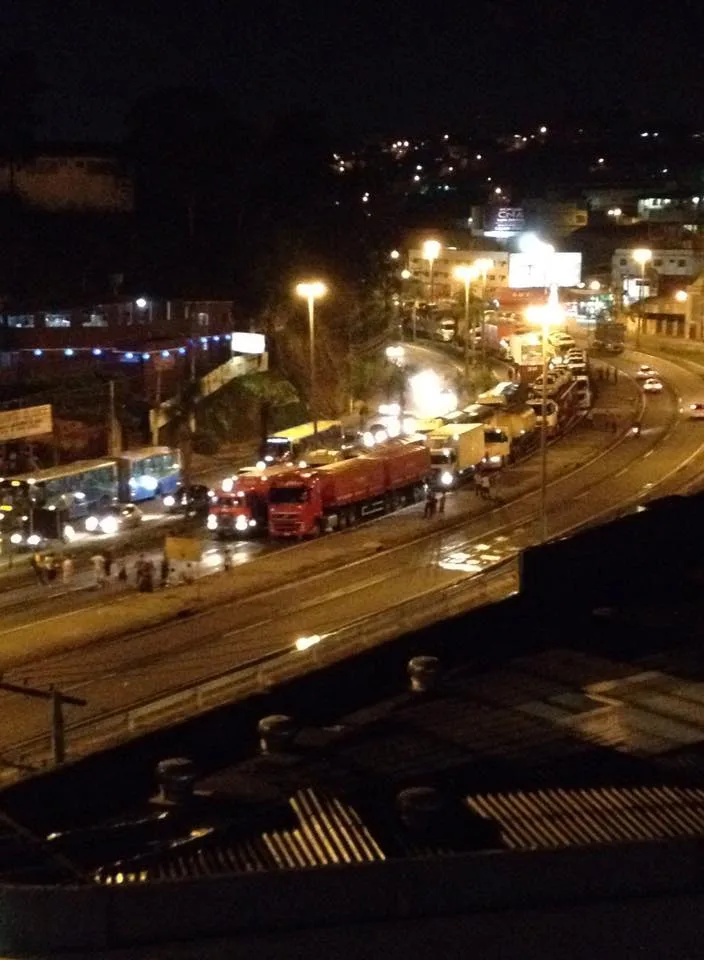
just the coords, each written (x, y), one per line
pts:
(560, 818)
(326, 830)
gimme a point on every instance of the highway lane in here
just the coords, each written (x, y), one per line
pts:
(123, 671)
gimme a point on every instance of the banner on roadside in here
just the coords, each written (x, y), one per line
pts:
(186, 549)
(27, 422)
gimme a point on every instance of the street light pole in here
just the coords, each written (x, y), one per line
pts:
(641, 255)
(431, 251)
(544, 444)
(311, 345)
(310, 292)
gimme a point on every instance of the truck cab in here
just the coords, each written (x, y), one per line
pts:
(295, 505)
(497, 446)
(241, 507)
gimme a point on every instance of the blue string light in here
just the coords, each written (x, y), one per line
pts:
(38, 353)
(146, 356)
(68, 352)
(97, 351)
(129, 356)
(165, 354)
(182, 350)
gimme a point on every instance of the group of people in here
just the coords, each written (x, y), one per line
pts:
(434, 503)
(50, 567)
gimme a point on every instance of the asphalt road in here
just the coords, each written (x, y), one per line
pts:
(665, 456)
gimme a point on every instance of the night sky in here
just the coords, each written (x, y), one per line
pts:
(368, 66)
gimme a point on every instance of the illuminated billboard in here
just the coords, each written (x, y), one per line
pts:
(531, 270)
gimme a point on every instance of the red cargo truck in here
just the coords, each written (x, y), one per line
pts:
(306, 502)
(242, 510)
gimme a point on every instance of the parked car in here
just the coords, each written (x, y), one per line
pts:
(645, 372)
(651, 385)
(696, 411)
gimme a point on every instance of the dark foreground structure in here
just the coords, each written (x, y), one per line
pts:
(526, 781)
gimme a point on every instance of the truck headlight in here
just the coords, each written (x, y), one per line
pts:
(16, 538)
(91, 524)
(495, 459)
(446, 478)
(169, 501)
(34, 540)
(241, 523)
(252, 523)
(212, 522)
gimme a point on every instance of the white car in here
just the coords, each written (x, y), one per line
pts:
(651, 385)
(696, 411)
(645, 372)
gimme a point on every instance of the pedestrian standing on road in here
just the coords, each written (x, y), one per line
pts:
(122, 572)
(441, 503)
(433, 503)
(164, 570)
(227, 558)
(67, 568)
(107, 556)
(486, 486)
(477, 484)
(38, 567)
(189, 576)
(98, 561)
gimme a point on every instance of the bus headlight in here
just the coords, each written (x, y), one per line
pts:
(34, 540)
(169, 501)
(69, 532)
(212, 522)
(16, 538)
(241, 523)
(91, 524)
(109, 525)
(252, 523)
(446, 478)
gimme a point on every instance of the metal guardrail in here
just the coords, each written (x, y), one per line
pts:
(278, 666)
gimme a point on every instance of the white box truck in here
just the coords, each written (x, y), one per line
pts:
(456, 450)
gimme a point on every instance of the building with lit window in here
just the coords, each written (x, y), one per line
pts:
(629, 281)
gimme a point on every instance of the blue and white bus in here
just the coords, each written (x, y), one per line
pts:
(147, 473)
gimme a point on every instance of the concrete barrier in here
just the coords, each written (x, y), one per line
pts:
(42, 920)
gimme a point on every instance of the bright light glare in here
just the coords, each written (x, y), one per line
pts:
(16, 538)
(311, 290)
(227, 484)
(545, 316)
(642, 255)
(465, 272)
(389, 409)
(681, 296)
(431, 249)
(446, 478)
(595, 285)
(141, 303)
(147, 482)
(169, 501)
(430, 398)
(395, 254)
(212, 522)
(241, 523)
(109, 525)
(305, 643)
(368, 439)
(92, 524)
(406, 274)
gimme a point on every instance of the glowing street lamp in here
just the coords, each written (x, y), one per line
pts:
(681, 296)
(546, 316)
(311, 291)
(642, 257)
(394, 254)
(431, 251)
(467, 274)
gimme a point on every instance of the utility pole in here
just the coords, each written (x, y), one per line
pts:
(56, 699)
(157, 407)
(114, 443)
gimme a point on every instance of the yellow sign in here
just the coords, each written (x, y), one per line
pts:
(182, 548)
